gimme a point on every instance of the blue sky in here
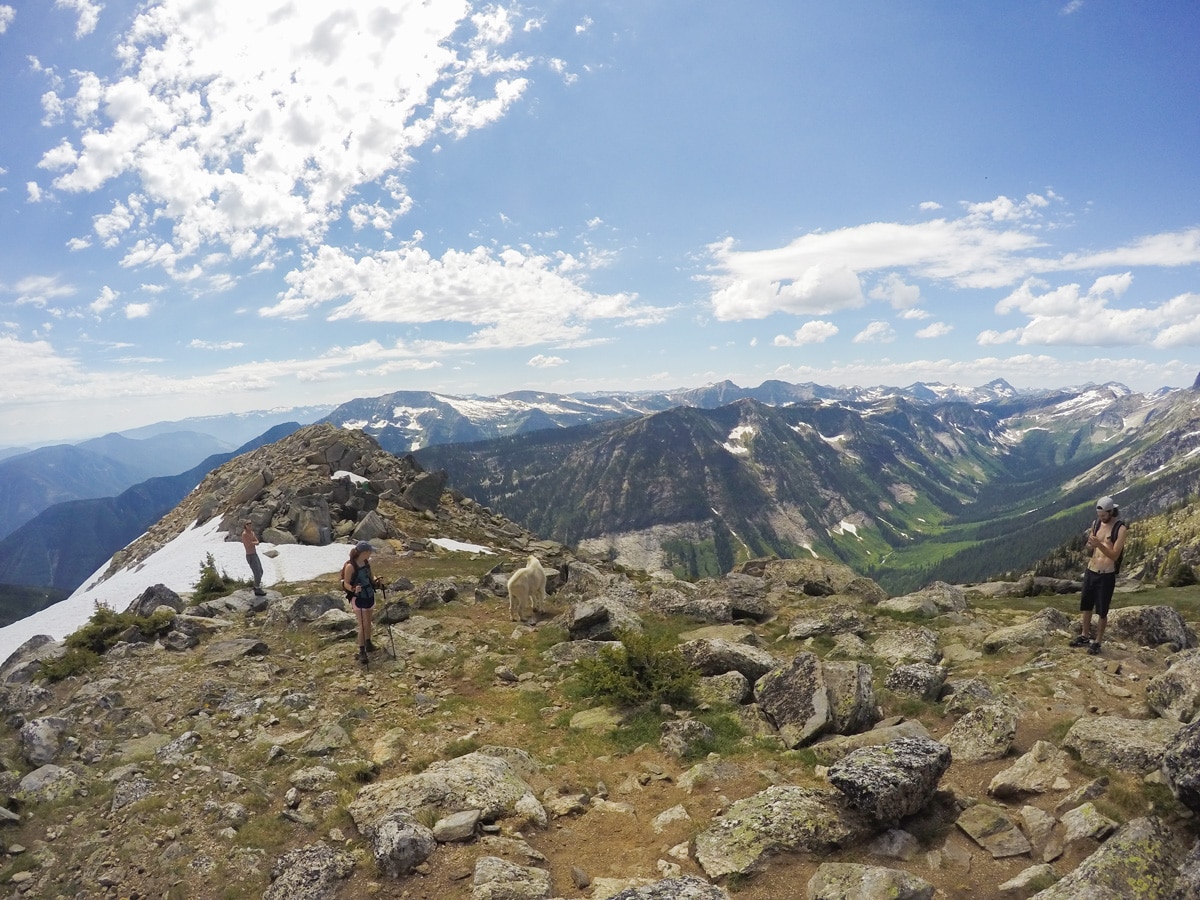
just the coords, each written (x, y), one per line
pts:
(220, 206)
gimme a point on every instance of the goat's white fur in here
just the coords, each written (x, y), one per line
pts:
(526, 586)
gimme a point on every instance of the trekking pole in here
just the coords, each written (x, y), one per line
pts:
(388, 622)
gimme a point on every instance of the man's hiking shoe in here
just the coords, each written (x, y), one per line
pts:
(371, 648)
(362, 654)
(1078, 641)
(259, 592)
(1094, 648)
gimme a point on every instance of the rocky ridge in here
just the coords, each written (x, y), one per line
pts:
(938, 746)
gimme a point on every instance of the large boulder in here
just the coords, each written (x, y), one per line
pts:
(922, 681)
(1043, 768)
(1043, 627)
(670, 602)
(993, 830)
(303, 609)
(603, 619)
(796, 699)
(782, 818)
(152, 598)
(891, 781)
(26, 661)
(425, 493)
(832, 749)
(730, 689)
(836, 619)
(475, 781)
(684, 887)
(718, 656)
(40, 740)
(852, 881)
(852, 706)
(1141, 860)
(983, 734)
(1175, 693)
(309, 873)
(1150, 626)
(498, 879)
(1128, 745)
(401, 843)
(908, 645)
(1181, 765)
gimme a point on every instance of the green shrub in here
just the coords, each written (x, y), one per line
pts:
(213, 584)
(87, 644)
(646, 668)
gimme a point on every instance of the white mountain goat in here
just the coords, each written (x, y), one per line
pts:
(526, 586)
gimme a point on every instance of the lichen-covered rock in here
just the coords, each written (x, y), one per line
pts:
(1043, 627)
(473, 781)
(964, 694)
(852, 706)
(730, 689)
(1129, 745)
(832, 749)
(1141, 860)
(1042, 769)
(498, 879)
(40, 740)
(401, 843)
(985, 733)
(908, 645)
(795, 697)
(920, 680)
(1084, 822)
(782, 818)
(603, 619)
(851, 881)
(309, 873)
(718, 656)
(685, 887)
(684, 737)
(893, 780)
(992, 829)
(836, 619)
(1150, 626)
(152, 598)
(670, 602)
(1181, 765)
(1175, 693)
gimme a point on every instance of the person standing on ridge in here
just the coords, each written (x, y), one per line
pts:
(1105, 544)
(360, 585)
(250, 542)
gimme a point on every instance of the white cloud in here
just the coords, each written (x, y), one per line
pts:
(511, 298)
(38, 290)
(137, 310)
(104, 300)
(545, 362)
(913, 313)
(896, 292)
(197, 344)
(259, 132)
(7, 14)
(586, 24)
(876, 333)
(1072, 7)
(930, 206)
(89, 14)
(995, 244)
(34, 192)
(935, 330)
(813, 332)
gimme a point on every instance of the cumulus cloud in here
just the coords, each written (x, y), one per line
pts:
(33, 192)
(1070, 315)
(930, 206)
(259, 131)
(137, 310)
(7, 14)
(992, 244)
(545, 362)
(876, 333)
(510, 298)
(935, 330)
(813, 332)
(88, 12)
(104, 300)
(38, 290)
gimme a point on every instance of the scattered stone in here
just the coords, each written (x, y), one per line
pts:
(895, 843)
(729, 689)
(850, 881)
(668, 817)
(992, 829)
(131, 791)
(686, 887)
(600, 719)
(831, 750)
(1046, 626)
(152, 598)
(456, 827)
(718, 656)
(893, 780)
(401, 843)
(1181, 766)
(603, 619)
(326, 740)
(222, 653)
(1042, 769)
(40, 741)
(1089, 791)
(1175, 694)
(1150, 626)
(1029, 882)
(1086, 822)
(497, 879)
(908, 645)
(852, 706)
(684, 737)
(796, 699)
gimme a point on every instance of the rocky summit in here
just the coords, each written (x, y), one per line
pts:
(748, 736)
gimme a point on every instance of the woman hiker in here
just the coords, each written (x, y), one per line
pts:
(359, 586)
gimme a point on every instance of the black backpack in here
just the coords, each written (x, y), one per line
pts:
(1112, 539)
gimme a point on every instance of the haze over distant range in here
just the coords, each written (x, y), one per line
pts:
(231, 206)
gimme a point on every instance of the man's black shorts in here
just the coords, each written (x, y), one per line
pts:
(1097, 592)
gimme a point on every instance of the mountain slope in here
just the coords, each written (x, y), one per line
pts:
(65, 544)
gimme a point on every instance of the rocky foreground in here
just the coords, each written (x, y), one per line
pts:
(840, 743)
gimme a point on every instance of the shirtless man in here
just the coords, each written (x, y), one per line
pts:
(1101, 576)
(249, 541)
